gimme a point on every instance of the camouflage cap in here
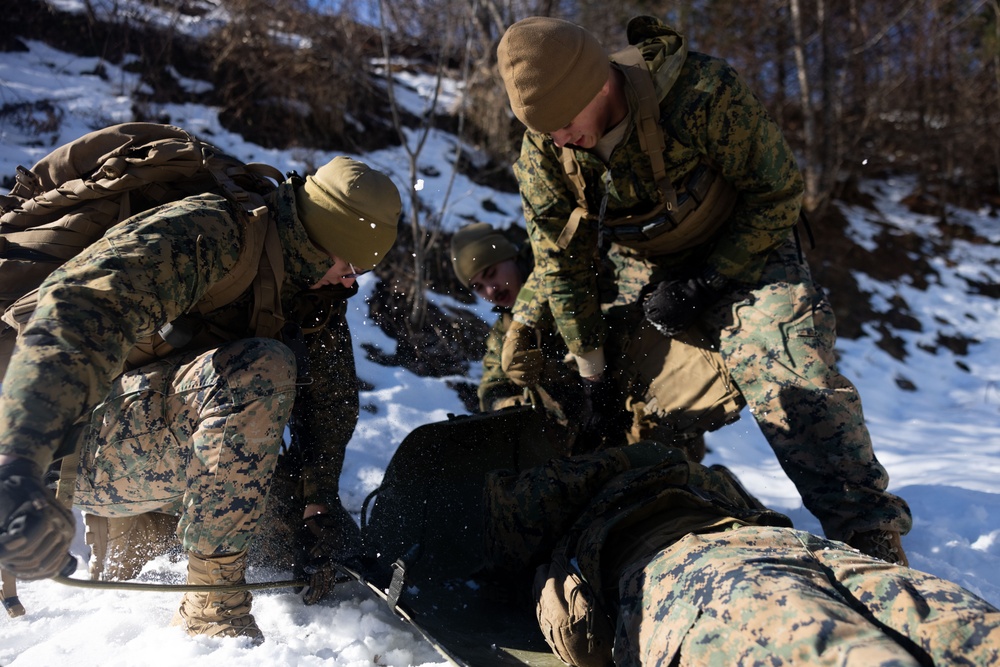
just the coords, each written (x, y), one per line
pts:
(551, 69)
(350, 210)
(476, 247)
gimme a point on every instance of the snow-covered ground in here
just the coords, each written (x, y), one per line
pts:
(940, 442)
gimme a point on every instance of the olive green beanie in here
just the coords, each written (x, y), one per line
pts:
(350, 210)
(551, 69)
(476, 247)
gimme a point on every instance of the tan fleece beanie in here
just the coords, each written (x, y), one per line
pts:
(476, 247)
(551, 69)
(351, 211)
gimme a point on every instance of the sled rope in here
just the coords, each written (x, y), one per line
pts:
(183, 588)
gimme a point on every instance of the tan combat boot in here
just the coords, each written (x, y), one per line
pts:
(885, 545)
(121, 546)
(223, 613)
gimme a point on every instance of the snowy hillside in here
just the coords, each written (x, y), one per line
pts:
(940, 441)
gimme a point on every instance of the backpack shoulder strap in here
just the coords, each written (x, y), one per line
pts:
(647, 120)
(261, 265)
(267, 319)
(574, 177)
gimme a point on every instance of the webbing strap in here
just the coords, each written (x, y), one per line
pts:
(67, 477)
(648, 119)
(647, 122)
(266, 170)
(266, 319)
(574, 176)
(9, 597)
(244, 272)
(396, 584)
(566, 235)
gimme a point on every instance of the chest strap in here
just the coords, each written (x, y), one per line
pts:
(647, 122)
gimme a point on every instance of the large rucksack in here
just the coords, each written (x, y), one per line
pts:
(72, 196)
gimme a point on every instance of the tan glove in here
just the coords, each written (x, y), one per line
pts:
(520, 357)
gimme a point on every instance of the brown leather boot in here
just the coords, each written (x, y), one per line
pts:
(223, 613)
(885, 545)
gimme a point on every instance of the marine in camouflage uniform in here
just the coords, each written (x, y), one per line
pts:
(496, 269)
(682, 567)
(729, 273)
(196, 434)
(663, 389)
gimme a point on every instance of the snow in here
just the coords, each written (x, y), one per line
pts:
(939, 442)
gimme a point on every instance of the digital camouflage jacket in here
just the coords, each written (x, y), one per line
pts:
(709, 115)
(145, 272)
(606, 509)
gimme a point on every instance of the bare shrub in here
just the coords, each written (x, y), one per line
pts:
(286, 75)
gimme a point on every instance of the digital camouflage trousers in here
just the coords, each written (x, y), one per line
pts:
(777, 340)
(193, 435)
(778, 596)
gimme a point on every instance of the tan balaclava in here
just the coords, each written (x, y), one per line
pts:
(551, 69)
(350, 210)
(476, 247)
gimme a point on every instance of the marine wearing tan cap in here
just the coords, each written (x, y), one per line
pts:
(476, 247)
(551, 69)
(350, 210)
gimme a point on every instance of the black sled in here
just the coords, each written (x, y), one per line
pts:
(423, 535)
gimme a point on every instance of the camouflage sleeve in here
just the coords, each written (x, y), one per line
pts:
(326, 407)
(722, 118)
(142, 274)
(527, 513)
(495, 386)
(568, 276)
(532, 305)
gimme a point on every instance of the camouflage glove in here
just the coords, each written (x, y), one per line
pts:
(673, 306)
(520, 357)
(35, 530)
(322, 541)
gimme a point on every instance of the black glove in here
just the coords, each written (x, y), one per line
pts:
(322, 541)
(673, 306)
(35, 530)
(608, 417)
